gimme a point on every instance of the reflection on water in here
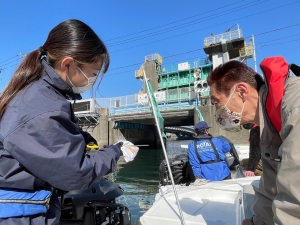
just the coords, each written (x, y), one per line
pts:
(140, 178)
(177, 148)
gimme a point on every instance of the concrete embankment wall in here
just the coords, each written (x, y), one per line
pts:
(105, 134)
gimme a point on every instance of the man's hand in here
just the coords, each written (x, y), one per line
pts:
(249, 173)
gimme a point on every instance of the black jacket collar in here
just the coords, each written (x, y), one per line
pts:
(203, 136)
(51, 77)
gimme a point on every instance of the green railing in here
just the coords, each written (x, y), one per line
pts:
(182, 78)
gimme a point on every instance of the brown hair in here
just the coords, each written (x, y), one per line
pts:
(228, 74)
(71, 38)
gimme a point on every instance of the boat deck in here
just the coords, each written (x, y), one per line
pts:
(216, 203)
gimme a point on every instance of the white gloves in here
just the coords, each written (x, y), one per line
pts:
(129, 150)
(199, 182)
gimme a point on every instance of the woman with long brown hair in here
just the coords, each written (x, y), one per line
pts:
(41, 147)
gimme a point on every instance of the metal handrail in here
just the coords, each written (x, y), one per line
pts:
(228, 36)
(154, 57)
(247, 50)
(130, 104)
(192, 64)
(144, 108)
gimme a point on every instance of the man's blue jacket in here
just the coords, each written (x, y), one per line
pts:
(209, 169)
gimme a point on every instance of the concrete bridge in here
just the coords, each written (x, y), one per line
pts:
(181, 117)
(135, 123)
(180, 93)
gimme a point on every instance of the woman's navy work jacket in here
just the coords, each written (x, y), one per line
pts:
(41, 145)
(210, 169)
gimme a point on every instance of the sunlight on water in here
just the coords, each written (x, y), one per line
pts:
(140, 178)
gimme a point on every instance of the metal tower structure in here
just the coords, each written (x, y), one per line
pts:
(230, 45)
(182, 82)
(152, 65)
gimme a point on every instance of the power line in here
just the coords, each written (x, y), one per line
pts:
(182, 53)
(10, 62)
(11, 58)
(297, 24)
(153, 28)
(169, 63)
(174, 36)
(1, 69)
(215, 15)
(177, 61)
(9, 66)
(279, 38)
(280, 43)
(20, 54)
(203, 48)
(198, 49)
(206, 28)
(195, 31)
(204, 56)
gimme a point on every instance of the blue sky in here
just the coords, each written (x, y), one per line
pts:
(133, 29)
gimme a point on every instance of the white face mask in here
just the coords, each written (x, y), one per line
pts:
(227, 119)
(88, 86)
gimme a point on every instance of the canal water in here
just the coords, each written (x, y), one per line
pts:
(140, 178)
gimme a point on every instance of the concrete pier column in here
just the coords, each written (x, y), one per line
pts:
(150, 69)
(100, 132)
(196, 117)
(113, 134)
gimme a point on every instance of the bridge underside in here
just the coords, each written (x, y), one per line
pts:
(171, 118)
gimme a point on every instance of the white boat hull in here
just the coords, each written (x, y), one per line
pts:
(216, 203)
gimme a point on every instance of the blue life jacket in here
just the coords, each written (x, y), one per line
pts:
(15, 203)
(207, 157)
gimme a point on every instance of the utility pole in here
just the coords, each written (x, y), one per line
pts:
(254, 54)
